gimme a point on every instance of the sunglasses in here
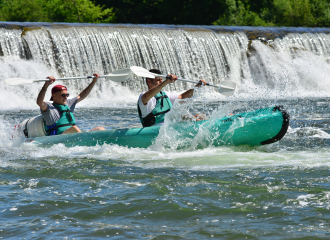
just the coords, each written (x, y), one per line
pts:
(65, 95)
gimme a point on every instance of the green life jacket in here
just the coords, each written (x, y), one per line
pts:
(157, 115)
(66, 121)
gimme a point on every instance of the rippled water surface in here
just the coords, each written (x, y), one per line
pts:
(277, 191)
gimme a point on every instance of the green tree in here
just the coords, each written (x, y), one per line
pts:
(23, 11)
(294, 13)
(321, 12)
(195, 12)
(54, 11)
(237, 14)
(78, 11)
(308, 13)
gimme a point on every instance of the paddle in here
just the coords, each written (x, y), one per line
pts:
(120, 75)
(226, 88)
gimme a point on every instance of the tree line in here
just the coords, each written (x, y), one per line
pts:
(296, 13)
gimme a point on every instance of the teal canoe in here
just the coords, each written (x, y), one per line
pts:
(263, 126)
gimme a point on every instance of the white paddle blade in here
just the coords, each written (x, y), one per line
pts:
(120, 75)
(18, 81)
(117, 77)
(139, 69)
(227, 88)
(122, 71)
(142, 72)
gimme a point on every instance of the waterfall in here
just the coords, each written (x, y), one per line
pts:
(192, 54)
(273, 61)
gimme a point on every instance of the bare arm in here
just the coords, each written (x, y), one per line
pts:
(190, 92)
(87, 90)
(41, 95)
(153, 91)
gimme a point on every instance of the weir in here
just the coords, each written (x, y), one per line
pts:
(273, 58)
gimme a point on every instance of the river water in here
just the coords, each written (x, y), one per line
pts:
(276, 191)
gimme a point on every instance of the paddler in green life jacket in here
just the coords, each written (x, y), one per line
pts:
(58, 116)
(155, 103)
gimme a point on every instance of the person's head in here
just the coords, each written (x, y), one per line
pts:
(59, 94)
(156, 81)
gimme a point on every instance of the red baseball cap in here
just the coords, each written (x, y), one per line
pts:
(57, 88)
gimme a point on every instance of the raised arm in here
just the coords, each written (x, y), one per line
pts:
(41, 95)
(190, 92)
(156, 89)
(87, 90)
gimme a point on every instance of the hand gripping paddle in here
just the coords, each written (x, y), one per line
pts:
(120, 75)
(226, 88)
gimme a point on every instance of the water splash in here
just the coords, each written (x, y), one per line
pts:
(288, 66)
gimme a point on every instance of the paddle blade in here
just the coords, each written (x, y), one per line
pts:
(142, 72)
(18, 81)
(120, 75)
(227, 88)
(139, 69)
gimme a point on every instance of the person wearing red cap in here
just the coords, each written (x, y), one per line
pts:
(58, 116)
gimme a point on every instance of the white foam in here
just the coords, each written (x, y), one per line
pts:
(310, 132)
(273, 72)
(278, 74)
(106, 94)
(283, 70)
